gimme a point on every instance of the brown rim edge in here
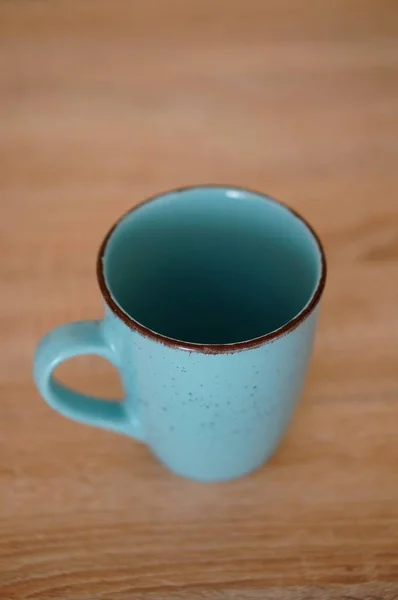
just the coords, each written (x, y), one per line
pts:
(211, 348)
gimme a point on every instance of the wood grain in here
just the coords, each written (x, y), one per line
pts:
(104, 103)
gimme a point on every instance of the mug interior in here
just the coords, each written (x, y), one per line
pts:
(212, 265)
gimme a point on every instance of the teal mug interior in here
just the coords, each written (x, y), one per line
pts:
(211, 265)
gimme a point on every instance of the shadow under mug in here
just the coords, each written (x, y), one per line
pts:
(211, 299)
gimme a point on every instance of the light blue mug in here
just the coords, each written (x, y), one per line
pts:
(211, 299)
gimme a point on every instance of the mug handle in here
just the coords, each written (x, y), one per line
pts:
(63, 343)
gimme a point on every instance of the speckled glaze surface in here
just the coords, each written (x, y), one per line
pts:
(210, 412)
(211, 416)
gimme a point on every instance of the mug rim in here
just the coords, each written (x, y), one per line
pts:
(271, 336)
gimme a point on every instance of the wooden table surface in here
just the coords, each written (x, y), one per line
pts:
(105, 103)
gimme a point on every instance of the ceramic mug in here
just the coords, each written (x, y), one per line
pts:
(211, 300)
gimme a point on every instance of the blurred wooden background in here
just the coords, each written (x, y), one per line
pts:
(104, 103)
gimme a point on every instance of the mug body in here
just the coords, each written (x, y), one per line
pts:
(210, 417)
